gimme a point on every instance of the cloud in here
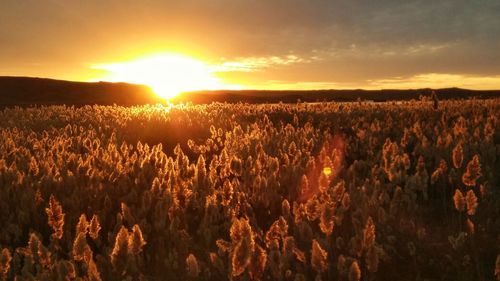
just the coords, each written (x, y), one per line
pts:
(289, 85)
(349, 42)
(250, 64)
(353, 41)
(427, 80)
(437, 80)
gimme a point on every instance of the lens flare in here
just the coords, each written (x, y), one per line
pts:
(334, 149)
(327, 171)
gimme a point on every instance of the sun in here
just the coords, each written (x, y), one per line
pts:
(167, 74)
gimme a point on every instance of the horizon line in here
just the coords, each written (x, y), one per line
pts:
(256, 89)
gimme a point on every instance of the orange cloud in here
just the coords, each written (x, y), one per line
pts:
(437, 80)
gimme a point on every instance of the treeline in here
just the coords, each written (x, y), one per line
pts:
(264, 96)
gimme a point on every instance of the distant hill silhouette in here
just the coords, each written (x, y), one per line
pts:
(262, 96)
(26, 91)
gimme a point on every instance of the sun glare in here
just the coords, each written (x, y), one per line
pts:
(167, 74)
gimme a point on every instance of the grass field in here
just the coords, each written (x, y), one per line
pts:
(322, 191)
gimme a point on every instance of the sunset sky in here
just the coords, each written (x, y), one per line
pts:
(268, 44)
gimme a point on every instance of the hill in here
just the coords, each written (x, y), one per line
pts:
(27, 90)
(263, 96)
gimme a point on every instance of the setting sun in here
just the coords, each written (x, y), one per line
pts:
(167, 74)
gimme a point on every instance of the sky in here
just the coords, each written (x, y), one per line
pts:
(262, 44)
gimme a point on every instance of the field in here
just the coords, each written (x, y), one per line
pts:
(320, 191)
